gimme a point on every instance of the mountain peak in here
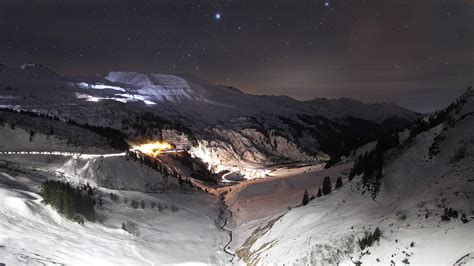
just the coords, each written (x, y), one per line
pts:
(155, 87)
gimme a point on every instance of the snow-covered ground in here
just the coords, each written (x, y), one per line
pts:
(257, 201)
(415, 191)
(32, 233)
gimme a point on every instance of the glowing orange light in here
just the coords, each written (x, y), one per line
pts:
(153, 148)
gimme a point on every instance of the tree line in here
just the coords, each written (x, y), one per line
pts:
(153, 163)
(370, 164)
(439, 117)
(115, 137)
(149, 126)
(325, 190)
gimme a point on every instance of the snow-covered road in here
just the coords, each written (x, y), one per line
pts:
(62, 153)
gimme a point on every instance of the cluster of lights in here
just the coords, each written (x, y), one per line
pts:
(153, 148)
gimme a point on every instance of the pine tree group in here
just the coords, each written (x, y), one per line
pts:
(198, 169)
(369, 238)
(72, 202)
(370, 164)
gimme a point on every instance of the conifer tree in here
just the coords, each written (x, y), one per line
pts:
(305, 198)
(124, 226)
(326, 186)
(319, 194)
(339, 182)
(32, 134)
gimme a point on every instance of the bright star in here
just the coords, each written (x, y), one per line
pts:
(218, 16)
(326, 4)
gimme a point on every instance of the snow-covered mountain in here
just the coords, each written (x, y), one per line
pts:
(166, 222)
(162, 211)
(424, 210)
(223, 126)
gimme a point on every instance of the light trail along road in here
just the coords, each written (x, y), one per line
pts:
(60, 153)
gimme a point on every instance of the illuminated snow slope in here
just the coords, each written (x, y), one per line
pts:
(32, 233)
(414, 193)
(147, 88)
(156, 87)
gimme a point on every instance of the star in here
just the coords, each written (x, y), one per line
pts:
(217, 16)
(326, 4)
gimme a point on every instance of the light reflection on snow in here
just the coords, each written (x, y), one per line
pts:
(88, 97)
(24, 66)
(147, 88)
(215, 164)
(157, 87)
(119, 97)
(135, 97)
(124, 98)
(8, 97)
(9, 106)
(153, 149)
(85, 85)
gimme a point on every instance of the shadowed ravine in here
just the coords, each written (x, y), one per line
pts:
(223, 227)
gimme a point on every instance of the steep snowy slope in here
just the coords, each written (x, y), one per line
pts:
(183, 232)
(174, 226)
(225, 127)
(425, 209)
(20, 132)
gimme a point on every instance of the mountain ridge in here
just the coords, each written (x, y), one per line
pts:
(237, 130)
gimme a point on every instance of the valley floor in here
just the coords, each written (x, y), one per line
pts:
(258, 201)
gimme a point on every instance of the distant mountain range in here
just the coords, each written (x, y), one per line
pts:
(222, 125)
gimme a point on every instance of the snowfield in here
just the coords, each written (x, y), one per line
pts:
(416, 188)
(31, 233)
(156, 87)
(180, 229)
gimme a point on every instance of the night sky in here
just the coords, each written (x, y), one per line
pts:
(418, 53)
